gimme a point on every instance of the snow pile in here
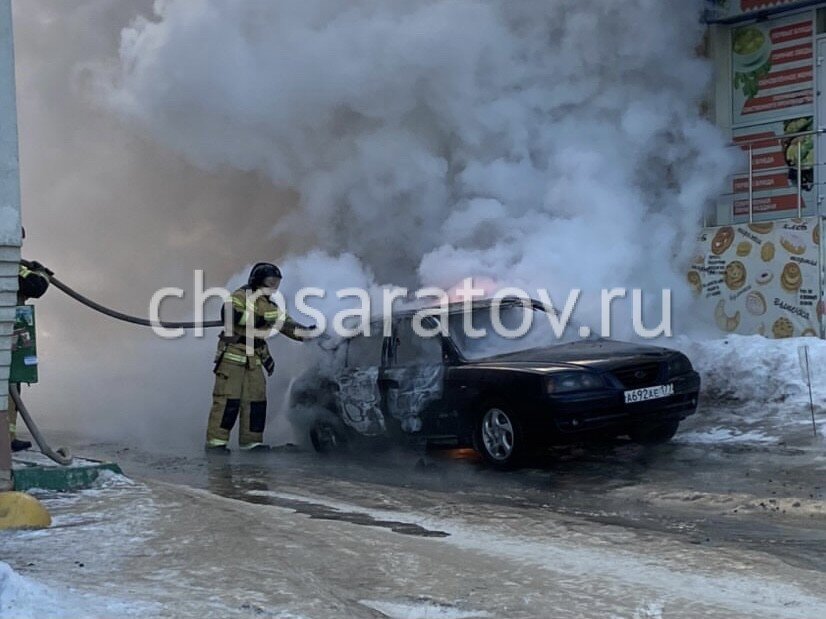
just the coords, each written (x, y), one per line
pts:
(753, 368)
(23, 598)
(92, 531)
(754, 389)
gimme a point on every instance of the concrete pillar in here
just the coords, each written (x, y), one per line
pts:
(10, 230)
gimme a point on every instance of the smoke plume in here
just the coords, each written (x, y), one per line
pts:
(407, 142)
(536, 143)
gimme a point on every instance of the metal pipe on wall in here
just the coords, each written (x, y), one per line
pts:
(751, 183)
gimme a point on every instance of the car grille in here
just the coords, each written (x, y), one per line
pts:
(639, 375)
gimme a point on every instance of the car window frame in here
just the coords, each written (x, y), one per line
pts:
(391, 344)
(375, 329)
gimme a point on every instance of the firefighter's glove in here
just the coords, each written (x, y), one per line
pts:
(36, 266)
(327, 342)
(310, 329)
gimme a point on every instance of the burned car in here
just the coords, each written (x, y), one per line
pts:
(504, 397)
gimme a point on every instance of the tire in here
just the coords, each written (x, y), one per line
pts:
(654, 434)
(499, 437)
(326, 437)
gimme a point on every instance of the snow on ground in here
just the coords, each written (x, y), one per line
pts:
(165, 550)
(755, 368)
(24, 598)
(422, 609)
(753, 389)
(741, 592)
(718, 435)
(99, 525)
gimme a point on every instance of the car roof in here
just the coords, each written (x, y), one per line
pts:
(457, 307)
(460, 307)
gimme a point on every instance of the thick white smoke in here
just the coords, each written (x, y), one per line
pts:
(537, 143)
(553, 143)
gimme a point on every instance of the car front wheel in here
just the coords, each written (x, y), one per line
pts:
(499, 437)
(327, 438)
(654, 434)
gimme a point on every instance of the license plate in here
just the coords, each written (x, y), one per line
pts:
(648, 393)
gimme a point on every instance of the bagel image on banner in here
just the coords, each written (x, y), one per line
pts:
(761, 278)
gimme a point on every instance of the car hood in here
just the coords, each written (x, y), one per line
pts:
(601, 354)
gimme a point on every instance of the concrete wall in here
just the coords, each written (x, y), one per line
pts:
(10, 232)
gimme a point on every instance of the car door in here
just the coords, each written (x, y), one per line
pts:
(413, 380)
(358, 384)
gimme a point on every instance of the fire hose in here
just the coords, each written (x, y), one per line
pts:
(37, 267)
(325, 342)
(61, 455)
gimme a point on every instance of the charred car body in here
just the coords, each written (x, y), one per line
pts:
(506, 398)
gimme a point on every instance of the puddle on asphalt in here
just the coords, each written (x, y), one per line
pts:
(324, 512)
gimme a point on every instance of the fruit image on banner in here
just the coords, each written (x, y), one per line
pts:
(761, 277)
(773, 69)
(775, 148)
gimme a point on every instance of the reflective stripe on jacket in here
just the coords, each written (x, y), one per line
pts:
(263, 315)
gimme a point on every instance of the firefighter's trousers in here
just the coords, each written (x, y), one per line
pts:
(240, 390)
(12, 416)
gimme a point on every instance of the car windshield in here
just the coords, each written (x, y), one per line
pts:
(503, 339)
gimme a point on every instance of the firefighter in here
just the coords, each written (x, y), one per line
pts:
(31, 284)
(242, 356)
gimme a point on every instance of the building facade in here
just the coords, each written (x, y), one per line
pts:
(10, 229)
(760, 267)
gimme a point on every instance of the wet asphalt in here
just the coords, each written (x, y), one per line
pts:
(765, 497)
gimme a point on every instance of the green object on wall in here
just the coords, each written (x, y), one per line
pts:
(24, 347)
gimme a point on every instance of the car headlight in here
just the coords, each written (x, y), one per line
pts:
(566, 382)
(679, 365)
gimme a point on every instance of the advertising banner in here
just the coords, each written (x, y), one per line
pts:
(729, 9)
(773, 70)
(775, 154)
(761, 278)
(24, 346)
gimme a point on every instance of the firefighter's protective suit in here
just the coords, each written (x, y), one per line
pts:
(30, 285)
(240, 386)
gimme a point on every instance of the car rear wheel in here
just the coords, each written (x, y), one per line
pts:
(499, 437)
(327, 438)
(654, 434)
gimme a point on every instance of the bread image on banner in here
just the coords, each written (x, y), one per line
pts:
(782, 328)
(791, 278)
(722, 240)
(762, 228)
(793, 243)
(756, 303)
(695, 282)
(723, 320)
(760, 278)
(735, 275)
(764, 278)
